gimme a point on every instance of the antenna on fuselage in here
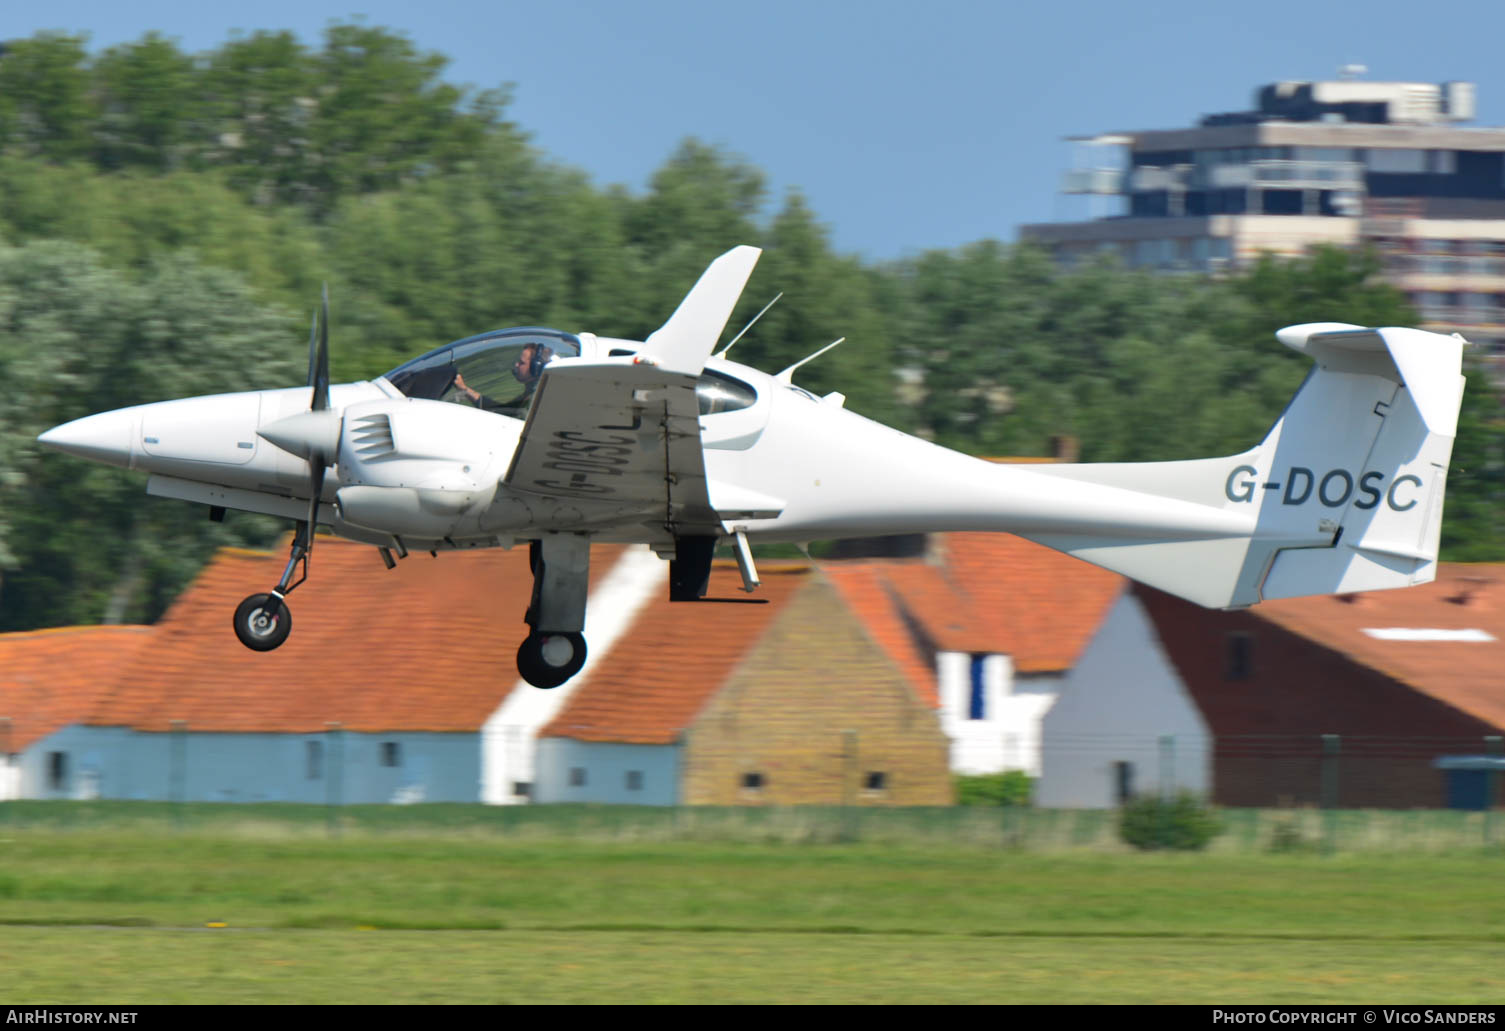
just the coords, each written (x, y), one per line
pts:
(755, 318)
(787, 376)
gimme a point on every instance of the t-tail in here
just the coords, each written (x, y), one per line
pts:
(1344, 494)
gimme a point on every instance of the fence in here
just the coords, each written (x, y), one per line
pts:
(1023, 829)
(1329, 771)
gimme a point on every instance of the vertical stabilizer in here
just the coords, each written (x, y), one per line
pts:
(1345, 492)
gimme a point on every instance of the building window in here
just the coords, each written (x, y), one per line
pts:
(877, 780)
(977, 708)
(1240, 657)
(752, 781)
(522, 789)
(391, 753)
(1397, 161)
(634, 780)
(314, 755)
(57, 770)
(577, 776)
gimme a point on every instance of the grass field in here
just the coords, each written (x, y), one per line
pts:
(121, 913)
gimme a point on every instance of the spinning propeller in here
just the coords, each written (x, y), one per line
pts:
(263, 622)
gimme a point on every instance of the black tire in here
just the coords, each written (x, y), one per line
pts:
(254, 631)
(533, 659)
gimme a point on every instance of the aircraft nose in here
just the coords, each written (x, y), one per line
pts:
(105, 437)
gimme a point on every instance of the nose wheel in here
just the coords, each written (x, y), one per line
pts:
(263, 622)
(548, 660)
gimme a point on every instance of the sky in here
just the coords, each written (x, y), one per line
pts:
(909, 125)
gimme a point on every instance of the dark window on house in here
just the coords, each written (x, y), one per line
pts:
(977, 703)
(314, 753)
(1240, 656)
(522, 789)
(1123, 781)
(877, 780)
(752, 781)
(577, 776)
(391, 753)
(634, 780)
(57, 770)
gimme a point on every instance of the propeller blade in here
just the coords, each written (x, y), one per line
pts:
(318, 372)
(313, 347)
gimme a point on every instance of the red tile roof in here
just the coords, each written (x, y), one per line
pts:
(984, 593)
(430, 645)
(1037, 605)
(673, 659)
(880, 594)
(1468, 675)
(51, 678)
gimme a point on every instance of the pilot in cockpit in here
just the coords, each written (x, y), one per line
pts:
(525, 369)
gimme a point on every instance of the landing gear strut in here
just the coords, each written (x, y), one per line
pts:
(263, 621)
(554, 650)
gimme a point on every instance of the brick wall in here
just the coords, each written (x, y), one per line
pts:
(817, 711)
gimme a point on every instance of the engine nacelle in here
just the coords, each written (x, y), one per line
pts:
(407, 511)
(420, 468)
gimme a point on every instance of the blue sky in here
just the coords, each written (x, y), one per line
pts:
(908, 125)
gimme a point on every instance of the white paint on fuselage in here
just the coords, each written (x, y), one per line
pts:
(837, 473)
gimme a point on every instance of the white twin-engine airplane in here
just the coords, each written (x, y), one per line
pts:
(560, 439)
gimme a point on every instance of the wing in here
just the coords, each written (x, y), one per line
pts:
(626, 431)
(619, 432)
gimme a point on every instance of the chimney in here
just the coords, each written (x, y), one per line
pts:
(1472, 592)
(1064, 447)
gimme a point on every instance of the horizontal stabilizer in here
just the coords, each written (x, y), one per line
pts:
(1427, 364)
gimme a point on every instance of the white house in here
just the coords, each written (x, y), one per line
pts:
(994, 622)
(1124, 723)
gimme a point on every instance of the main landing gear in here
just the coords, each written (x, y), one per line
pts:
(554, 650)
(263, 621)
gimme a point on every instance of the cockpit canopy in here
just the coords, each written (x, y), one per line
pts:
(497, 371)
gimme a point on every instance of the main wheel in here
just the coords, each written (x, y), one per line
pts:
(548, 660)
(256, 629)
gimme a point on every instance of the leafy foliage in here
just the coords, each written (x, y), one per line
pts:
(83, 543)
(1012, 788)
(1184, 822)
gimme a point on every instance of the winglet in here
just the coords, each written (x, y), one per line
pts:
(684, 342)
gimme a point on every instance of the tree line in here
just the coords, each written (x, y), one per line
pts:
(166, 221)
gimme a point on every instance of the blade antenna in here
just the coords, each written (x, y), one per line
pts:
(755, 318)
(787, 376)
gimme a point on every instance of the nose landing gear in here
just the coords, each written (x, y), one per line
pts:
(263, 621)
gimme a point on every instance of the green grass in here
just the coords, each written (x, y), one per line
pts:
(427, 904)
(77, 965)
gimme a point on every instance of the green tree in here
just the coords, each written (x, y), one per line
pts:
(260, 97)
(151, 112)
(1473, 515)
(382, 115)
(45, 109)
(83, 543)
